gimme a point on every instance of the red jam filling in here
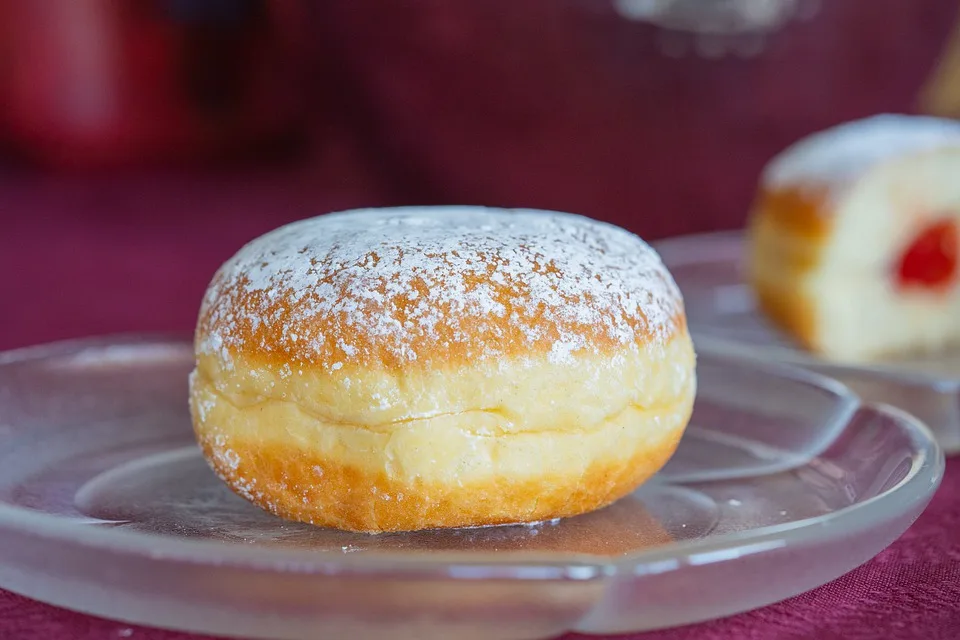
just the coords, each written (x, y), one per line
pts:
(931, 261)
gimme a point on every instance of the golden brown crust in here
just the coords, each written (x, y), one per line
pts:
(790, 309)
(352, 499)
(788, 231)
(799, 211)
(505, 442)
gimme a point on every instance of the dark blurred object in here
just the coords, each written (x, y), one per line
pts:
(941, 95)
(87, 83)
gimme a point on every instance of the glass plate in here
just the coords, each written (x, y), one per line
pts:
(783, 482)
(724, 319)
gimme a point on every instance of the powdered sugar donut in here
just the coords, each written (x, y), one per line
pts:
(411, 368)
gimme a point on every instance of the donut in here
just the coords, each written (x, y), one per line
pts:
(852, 240)
(415, 368)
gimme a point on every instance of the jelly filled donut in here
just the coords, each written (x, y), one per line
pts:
(414, 368)
(853, 242)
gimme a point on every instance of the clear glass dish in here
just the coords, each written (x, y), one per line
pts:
(784, 481)
(724, 320)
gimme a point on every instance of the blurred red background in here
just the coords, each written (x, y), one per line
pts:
(123, 184)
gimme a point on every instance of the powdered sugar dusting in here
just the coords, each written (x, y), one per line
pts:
(834, 156)
(392, 285)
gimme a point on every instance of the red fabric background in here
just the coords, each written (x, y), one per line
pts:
(546, 103)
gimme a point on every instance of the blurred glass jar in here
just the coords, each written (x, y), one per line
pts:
(88, 83)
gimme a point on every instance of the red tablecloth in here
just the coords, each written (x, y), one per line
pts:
(538, 105)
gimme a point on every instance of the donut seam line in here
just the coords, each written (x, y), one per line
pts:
(647, 411)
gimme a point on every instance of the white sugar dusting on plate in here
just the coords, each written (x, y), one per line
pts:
(834, 156)
(471, 279)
